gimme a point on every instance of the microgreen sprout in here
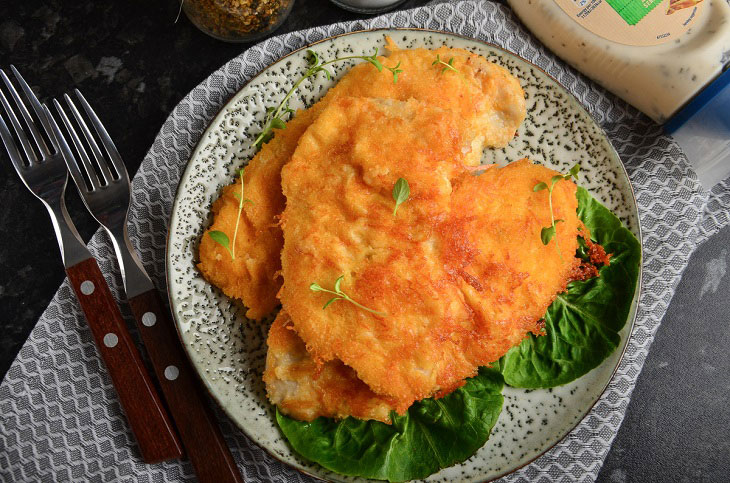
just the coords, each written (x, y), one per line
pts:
(395, 71)
(275, 115)
(447, 65)
(401, 192)
(340, 295)
(241, 201)
(548, 232)
(221, 238)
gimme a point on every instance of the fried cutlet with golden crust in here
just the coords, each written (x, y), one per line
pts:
(491, 244)
(339, 221)
(305, 390)
(437, 269)
(252, 276)
(482, 92)
(485, 95)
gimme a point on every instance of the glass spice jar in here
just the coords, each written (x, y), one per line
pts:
(237, 20)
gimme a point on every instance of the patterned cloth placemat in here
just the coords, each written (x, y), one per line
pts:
(59, 416)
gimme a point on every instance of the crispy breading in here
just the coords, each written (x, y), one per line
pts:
(304, 390)
(485, 95)
(492, 243)
(339, 221)
(252, 276)
(461, 282)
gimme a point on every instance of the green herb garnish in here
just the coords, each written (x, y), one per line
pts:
(274, 115)
(340, 295)
(548, 232)
(241, 201)
(401, 192)
(222, 239)
(447, 65)
(395, 71)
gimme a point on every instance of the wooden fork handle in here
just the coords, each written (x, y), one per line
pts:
(145, 413)
(199, 431)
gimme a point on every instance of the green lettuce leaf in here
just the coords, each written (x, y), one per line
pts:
(433, 434)
(582, 324)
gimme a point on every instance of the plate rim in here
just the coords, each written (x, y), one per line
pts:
(634, 305)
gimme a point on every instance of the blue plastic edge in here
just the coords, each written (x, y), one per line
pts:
(701, 100)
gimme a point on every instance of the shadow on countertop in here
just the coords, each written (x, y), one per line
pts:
(677, 425)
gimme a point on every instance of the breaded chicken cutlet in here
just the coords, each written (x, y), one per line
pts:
(305, 390)
(462, 276)
(487, 97)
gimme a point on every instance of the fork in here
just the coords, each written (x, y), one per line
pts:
(104, 186)
(44, 173)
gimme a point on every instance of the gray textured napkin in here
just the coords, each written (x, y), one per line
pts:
(59, 416)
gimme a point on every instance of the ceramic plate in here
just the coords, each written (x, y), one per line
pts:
(229, 351)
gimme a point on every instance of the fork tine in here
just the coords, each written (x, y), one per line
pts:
(19, 131)
(15, 156)
(68, 157)
(111, 149)
(39, 141)
(101, 162)
(30, 95)
(85, 161)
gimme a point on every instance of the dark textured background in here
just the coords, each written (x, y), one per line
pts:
(135, 63)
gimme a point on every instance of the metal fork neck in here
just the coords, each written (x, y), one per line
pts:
(73, 249)
(136, 280)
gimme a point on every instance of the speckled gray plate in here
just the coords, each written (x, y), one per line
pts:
(229, 351)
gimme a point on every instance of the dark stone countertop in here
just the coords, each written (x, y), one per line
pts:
(135, 62)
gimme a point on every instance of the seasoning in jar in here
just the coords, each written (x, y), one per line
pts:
(237, 20)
